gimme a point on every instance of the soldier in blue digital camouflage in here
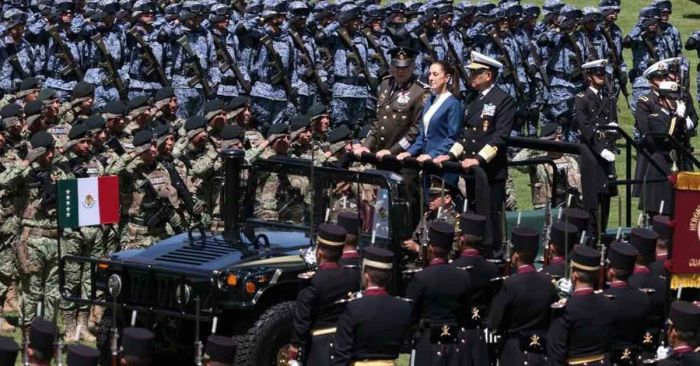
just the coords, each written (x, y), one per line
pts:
(18, 58)
(64, 66)
(671, 34)
(693, 43)
(273, 69)
(590, 38)
(234, 73)
(143, 74)
(610, 9)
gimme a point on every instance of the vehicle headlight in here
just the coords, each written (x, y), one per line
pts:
(183, 294)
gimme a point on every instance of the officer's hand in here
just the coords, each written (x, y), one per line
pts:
(564, 285)
(468, 163)
(358, 149)
(607, 155)
(411, 245)
(423, 158)
(440, 159)
(382, 153)
(689, 124)
(680, 109)
(402, 156)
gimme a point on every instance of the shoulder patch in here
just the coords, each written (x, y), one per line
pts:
(580, 95)
(643, 98)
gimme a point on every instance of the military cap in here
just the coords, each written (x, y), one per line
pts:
(673, 64)
(377, 258)
(95, 123)
(14, 17)
(549, 131)
(658, 69)
(76, 134)
(162, 131)
(595, 67)
(254, 7)
(163, 96)
(438, 185)
(115, 109)
(219, 12)
(497, 14)
(552, 6)
(172, 11)
(341, 134)
(331, 235)
(194, 125)
(232, 132)
(622, 256)
(272, 8)
(42, 334)
(220, 349)
(481, 61)
(591, 14)
(364, 131)
(395, 7)
(191, 9)
(299, 8)
(609, 6)
(441, 234)
(513, 9)
(373, 12)
(212, 108)
(323, 9)
(137, 342)
(585, 258)
(645, 242)
(109, 6)
(81, 355)
(277, 130)
(669, 89)
(317, 110)
(142, 6)
(472, 224)
(562, 234)
(82, 90)
(412, 7)
(663, 5)
(570, 12)
(649, 12)
(299, 123)
(64, 5)
(32, 111)
(8, 351)
(349, 12)
(662, 226)
(238, 103)
(11, 114)
(531, 11)
(47, 95)
(138, 105)
(28, 86)
(578, 217)
(525, 240)
(684, 316)
(42, 139)
(349, 220)
(402, 56)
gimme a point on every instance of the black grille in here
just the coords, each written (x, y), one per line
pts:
(197, 255)
(158, 291)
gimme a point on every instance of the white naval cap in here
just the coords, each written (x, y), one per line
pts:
(669, 89)
(596, 64)
(481, 61)
(657, 69)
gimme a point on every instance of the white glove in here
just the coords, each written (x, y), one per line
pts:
(612, 124)
(680, 109)
(607, 155)
(564, 285)
(292, 363)
(689, 123)
(662, 352)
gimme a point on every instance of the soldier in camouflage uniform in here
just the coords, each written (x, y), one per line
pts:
(167, 105)
(303, 142)
(568, 172)
(14, 123)
(216, 117)
(19, 58)
(241, 114)
(34, 181)
(148, 198)
(74, 111)
(140, 115)
(9, 231)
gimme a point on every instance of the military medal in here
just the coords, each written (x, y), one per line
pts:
(485, 125)
(403, 98)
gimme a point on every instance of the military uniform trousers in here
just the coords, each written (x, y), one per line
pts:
(191, 100)
(474, 350)
(429, 352)
(84, 242)
(320, 347)
(268, 112)
(9, 232)
(625, 355)
(348, 111)
(515, 352)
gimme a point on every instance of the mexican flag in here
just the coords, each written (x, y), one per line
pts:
(88, 201)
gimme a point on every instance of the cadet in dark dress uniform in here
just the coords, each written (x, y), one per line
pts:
(520, 312)
(594, 108)
(350, 221)
(644, 241)
(81, 355)
(137, 347)
(481, 273)
(631, 306)
(373, 327)
(42, 336)
(562, 237)
(661, 226)
(440, 293)
(9, 349)
(317, 309)
(684, 322)
(488, 120)
(580, 331)
(220, 350)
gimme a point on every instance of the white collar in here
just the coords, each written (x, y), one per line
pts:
(487, 90)
(594, 90)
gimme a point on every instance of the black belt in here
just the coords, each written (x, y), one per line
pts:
(351, 80)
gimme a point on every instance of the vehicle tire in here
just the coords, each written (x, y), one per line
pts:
(266, 341)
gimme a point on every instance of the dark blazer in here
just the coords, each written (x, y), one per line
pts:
(444, 128)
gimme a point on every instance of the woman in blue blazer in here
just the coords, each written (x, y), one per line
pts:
(440, 124)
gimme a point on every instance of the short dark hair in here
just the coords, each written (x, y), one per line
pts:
(662, 243)
(41, 355)
(440, 252)
(472, 241)
(330, 254)
(621, 274)
(351, 239)
(379, 277)
(132, 360)
(526, 257)
(589, 277)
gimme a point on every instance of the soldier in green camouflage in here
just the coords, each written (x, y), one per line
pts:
(149, 200)
(14, 122)
(28, 91)
(303, 143)
(241, 114)
(140, 115)
(80, 105)
(216, 118)
(9, 232)
(166, 105)
(50, 112)
(34, 180)
(541, 176)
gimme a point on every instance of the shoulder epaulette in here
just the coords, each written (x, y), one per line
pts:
(387, 77)
(306, 275)
(643, 98)
(654, 115)
(422, 84)
(580, 95)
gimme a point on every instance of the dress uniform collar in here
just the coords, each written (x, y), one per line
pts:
(682, 350)
(470, 253)
(375, 291)
(583, 291)
(619, 284)
(594, 90)
(486, 91)
(328, 265)
(350, 254)
(436, 261)
(557, 260)
(527, 268)
(662, 256)
(641, 269)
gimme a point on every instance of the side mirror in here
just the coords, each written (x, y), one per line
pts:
(401, 220)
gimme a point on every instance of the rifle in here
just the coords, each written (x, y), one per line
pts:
(311, 71)
(200, 74)
(577, 54)
(281, 75)
(504, 239)
(507, 64)
(72, 66)
(601, 248)
(547, 230)
(355, 57)
(326, 58)
(422, 227)
(185, 195)
(111, 66)
(616, 62)
(538, 62)
(154, 202)
(147, 54)
(384, 65)
(462, 74)
(14, 62)
(227, 62)
(115, 145)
